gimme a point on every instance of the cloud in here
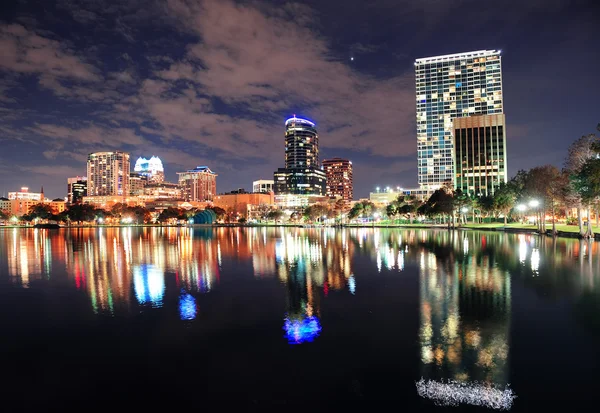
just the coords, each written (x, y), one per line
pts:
(23, 51)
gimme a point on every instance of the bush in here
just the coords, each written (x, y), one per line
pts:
(572, 221)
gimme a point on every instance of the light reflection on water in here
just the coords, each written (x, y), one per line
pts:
(465, 278)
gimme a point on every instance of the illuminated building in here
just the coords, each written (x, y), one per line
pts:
(450, 87)
(302, 173)
(480, 153)
(76, 189)
(108, 174)
(237, 203)
(137, 183)
(25, 195)
(339, 178)
(5, 205)
(151, 168)
(199, 184)
(263, 185)
(107, 202)
(383, 198)
(164, 190)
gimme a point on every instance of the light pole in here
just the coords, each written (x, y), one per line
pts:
(534, 204)
(522, 208)
(464, 211)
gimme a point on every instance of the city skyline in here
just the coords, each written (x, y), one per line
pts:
(157, 84)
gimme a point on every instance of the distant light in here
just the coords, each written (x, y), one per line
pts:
(534, 203)
(352, 284)
(352, 59)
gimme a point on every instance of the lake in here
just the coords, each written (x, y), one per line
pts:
(413, 319)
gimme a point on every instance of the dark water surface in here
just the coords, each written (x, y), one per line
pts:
(311, 318)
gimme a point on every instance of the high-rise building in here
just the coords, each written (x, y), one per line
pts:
(339, 178)
(199, 184)
(151, 168)
(302, 173)
(480, 153)
(108, 174)
(263, 185)
(76, 189)
(137, 183)
(450, 87)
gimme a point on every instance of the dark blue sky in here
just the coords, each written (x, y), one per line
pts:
(212, 82)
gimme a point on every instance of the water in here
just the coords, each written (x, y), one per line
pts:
(298, 318)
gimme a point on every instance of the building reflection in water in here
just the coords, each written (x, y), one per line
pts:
(311, 263)
(465, 304)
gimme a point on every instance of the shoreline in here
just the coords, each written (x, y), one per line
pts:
(565, 234)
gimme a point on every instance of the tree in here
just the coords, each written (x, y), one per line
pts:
(391, 210)
(579, 152)
(408, 205)
(80, 212)
(275, 214)
(587, 184)
(41, 211)
(3, 215)
(315, 212)
(504, 199)
(537, 187)
(441, 203)
(170, 214)
(361, 209)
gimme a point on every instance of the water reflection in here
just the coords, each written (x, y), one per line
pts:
(465, 280)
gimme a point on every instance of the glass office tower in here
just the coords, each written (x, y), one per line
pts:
(480, 154)
(302, 173)
(449, 87)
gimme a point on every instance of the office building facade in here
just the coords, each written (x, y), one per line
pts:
(450, 87)
(76, 189)
(480, 153)
(302, 173)
(108, 174)
(199, 184)
(151, 168)
(339, 178)
(137, 183)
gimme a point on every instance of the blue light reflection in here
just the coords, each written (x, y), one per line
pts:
(302, 331)
(187, 307)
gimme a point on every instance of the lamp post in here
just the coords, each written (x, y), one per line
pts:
(522, 208)
(534, 204)
(464, 211)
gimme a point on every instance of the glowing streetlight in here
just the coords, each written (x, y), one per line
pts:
(464, 210)
(377, 189)
(534, 203)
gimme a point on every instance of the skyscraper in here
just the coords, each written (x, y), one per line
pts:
(108, 174)
(480, 153)
(151, 168)
(339, 178)
(198, 184)
(302, 173)
(449, 87)
(76, 189)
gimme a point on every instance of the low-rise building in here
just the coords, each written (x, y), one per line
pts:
(263, 185)
(237, 203)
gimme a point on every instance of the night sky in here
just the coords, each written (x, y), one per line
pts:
(212, 82)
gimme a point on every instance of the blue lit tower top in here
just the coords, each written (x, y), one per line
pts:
(301, 144)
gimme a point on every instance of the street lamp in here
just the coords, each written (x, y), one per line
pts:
(377, 189)
(534, 203)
